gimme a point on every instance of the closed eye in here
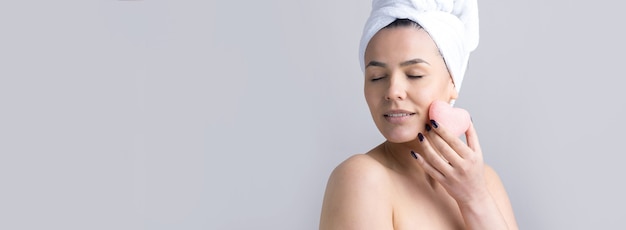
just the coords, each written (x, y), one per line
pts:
(414, 76)
(377, 78)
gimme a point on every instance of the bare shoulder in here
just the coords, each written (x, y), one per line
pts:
(499, 194)
(360, 174)
(357, 196)
(493, 180)
(360, 168)
(494, 183)
(491, 175)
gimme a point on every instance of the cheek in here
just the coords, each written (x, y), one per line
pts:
(422, 96)
(371, 97)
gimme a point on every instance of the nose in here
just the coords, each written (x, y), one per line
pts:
(397, 89)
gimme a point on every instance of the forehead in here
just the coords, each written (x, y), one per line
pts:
(400, 44)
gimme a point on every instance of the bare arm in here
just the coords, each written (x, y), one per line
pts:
(356, 197)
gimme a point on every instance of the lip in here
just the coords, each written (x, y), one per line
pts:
(398, 116)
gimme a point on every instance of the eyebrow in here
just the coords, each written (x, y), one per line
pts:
(413, 62)
(406, 63)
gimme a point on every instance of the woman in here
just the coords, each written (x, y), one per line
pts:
(422, 176)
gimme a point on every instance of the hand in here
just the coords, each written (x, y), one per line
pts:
(458, 167)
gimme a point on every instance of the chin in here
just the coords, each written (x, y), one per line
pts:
(400, 136)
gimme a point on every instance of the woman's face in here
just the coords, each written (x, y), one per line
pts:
(404, 74)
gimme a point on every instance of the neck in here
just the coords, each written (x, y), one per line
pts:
(400, 159)
(400, 154)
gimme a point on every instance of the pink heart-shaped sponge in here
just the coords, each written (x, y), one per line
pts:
(455, 120)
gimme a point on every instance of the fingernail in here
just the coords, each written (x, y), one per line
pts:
(428, 128)
(435, 125)
(420, 137)
(413, 154)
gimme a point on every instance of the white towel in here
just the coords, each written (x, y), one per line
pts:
(452, 24)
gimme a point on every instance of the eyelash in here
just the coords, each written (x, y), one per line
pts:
(409, 76)
(377, 78)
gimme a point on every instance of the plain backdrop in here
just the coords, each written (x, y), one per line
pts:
(232, 114)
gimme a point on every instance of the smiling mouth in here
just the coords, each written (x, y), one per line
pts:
(399, 114)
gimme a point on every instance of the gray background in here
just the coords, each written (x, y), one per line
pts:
(232, 114)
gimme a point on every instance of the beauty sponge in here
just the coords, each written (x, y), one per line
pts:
(456, 120)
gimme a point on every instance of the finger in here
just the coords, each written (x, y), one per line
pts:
(443, 149)
(457, 145)
(428, 168)
(472, 138)
(432, 156)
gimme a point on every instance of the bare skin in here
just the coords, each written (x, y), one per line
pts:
(448, 186)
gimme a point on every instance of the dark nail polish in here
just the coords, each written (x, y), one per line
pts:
(420, 137)
(413, 154)
(435, 125)
(428, 128)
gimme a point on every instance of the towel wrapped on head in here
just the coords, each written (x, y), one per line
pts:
(452, 24)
